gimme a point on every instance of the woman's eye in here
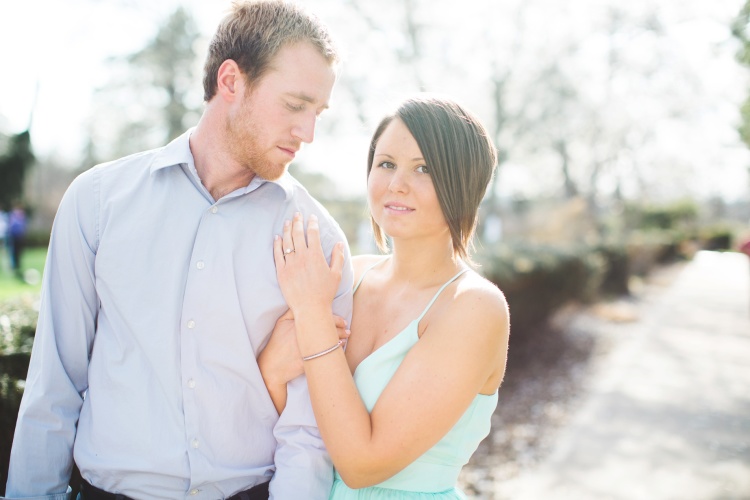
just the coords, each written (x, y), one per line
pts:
(422, 169)
(386, 164)
(297, 107)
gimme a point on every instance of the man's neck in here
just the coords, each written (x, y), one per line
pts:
(218, 171)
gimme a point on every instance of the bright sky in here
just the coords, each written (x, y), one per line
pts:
(62, 47)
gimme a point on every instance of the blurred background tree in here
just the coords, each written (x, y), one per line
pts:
(741, 30)
(152, 96)
(16, 158)
(594, 106)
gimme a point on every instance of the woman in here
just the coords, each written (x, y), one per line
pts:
(405, 406)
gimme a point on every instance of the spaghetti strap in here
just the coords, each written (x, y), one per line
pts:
(354, 290)
(439, 292)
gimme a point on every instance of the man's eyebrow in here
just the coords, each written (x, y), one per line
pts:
(304, 97)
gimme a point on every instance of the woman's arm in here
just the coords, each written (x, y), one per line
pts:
(433, 387)
(280, 360)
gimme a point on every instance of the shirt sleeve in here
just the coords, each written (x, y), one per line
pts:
(41, 459)
(303, 467)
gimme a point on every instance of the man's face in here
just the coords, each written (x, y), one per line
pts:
(278, 113)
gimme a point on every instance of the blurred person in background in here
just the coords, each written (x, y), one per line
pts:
(16, 236)
(3, 236)
(404, 407)
(159, 292)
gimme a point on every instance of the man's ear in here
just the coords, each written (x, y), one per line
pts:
(229, 80)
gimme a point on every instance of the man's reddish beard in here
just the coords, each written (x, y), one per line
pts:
(243, 133)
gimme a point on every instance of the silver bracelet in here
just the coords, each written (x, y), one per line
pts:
(323, 353)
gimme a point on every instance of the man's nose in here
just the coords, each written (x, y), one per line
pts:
(304, 129)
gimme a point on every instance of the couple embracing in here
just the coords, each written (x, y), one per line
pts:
(204, 332)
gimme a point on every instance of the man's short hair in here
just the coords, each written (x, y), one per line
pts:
(253, 32)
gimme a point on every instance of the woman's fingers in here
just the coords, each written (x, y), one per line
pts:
(287, 245)
(313, 232)
(296, 239)
(341, 329)
(337, 258)
(339, 321)
(313, 241)
(278, 254)
(298, 232)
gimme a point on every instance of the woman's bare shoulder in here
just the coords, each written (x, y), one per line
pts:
(481, 298)
(474, 285)
(360, 263)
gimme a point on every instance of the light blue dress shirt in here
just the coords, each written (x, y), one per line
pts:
(156, 302)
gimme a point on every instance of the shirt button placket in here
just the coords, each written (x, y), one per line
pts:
(193, 329)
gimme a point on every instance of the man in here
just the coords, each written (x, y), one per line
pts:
(160, 291)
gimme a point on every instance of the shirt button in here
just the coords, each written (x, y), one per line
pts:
(191, 324)
(195, 443)
(193, 492)
(191, 383)
(200, 264)
(214, 209)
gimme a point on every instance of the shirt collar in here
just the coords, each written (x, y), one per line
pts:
(178, 152)
(175, 153)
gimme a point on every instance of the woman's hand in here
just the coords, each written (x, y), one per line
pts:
(281, 361)
(305, 278)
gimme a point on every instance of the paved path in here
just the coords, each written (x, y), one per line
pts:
(667, 415)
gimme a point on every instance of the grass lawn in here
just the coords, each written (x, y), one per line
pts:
(10, 286)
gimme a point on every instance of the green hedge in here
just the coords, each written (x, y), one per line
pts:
(17, 326)
(538, 280)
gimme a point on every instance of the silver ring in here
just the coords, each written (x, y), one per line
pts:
(287, 251)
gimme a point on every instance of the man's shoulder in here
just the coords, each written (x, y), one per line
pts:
(116, 174)
(307, 204)
(302, 198)
(142, 159)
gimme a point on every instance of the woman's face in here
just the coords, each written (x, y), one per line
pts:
(400, 191)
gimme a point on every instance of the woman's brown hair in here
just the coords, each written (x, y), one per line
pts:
(460, 156)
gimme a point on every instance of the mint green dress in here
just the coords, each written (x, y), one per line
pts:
(433, 475)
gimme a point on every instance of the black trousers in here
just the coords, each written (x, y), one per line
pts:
(89, 492)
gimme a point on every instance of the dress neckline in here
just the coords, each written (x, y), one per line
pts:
(414, 324)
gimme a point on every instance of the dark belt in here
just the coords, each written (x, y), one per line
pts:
(89, 492)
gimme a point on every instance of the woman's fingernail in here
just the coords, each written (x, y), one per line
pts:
(286, 223)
